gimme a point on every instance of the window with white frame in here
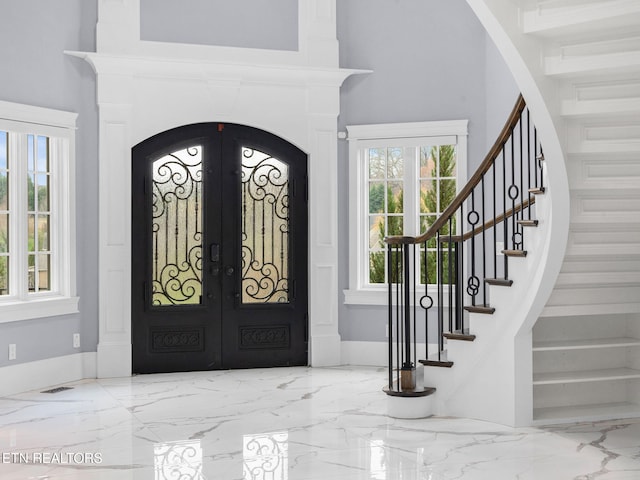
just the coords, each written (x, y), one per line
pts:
(401, 178)
(37, 244)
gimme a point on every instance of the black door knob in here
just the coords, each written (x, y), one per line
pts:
(228, 270)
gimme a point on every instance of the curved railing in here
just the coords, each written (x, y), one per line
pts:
(460, 253)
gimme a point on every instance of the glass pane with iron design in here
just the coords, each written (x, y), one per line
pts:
(177, 228)
(265, 228)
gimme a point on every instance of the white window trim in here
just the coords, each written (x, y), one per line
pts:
(61, 126)
(359, 136)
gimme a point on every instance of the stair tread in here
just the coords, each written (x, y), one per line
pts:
(585, 376)
(594, 411)
(514, 253)
(542, 346)
(417, 392)
(536, 190)
(480, 309)
(436, 363)
(459, 336)
(528, 223)
(501, 282)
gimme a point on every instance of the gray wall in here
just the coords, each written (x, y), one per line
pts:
(270, 24)
(430, 61)
(501, 92)
(33, 35)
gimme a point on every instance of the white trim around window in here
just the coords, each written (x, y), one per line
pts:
(57, 295)
(406, 135)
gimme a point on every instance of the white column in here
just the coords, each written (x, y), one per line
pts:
(324, 340)
(115, 127)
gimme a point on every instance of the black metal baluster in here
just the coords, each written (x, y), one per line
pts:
(541, 166)
(440, 296)
(398, 309)
(473, 283)
(461, 273)
(521, 213)
(414, 285)
(505, 223)
(495, 232)
(521, 169)
(513, 194)
(449, 274)
(390, 308)
(407, 308)
(426, 310)
(484, 247)
(529, 164)
(459, 294)
(401, 284)
(535, 153)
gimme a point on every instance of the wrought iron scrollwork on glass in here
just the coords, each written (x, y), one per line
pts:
(265, 228)
(177, 228)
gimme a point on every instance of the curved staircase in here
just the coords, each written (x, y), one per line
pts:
(559, 339)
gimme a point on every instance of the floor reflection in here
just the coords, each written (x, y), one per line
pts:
(173, 460)
(265, 456)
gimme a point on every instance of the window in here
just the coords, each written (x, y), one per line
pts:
(402, 177)
(37, 254)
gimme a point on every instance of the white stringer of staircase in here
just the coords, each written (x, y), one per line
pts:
(575, 342)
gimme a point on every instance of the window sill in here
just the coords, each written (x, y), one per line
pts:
(15, 311)
(380, 296)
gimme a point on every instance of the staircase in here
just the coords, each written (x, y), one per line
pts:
(561, 341)
(486, 262)
(586, 343)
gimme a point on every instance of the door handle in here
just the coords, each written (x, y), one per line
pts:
(228, 270)
(215, 252)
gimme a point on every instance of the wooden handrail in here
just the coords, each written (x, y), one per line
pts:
(484, 167)
(491, 223)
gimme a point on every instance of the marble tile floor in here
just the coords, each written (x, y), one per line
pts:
(284, 424)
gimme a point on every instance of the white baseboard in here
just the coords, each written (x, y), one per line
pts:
(114, 360)
(47, 373)
(374, 354)
(324, 350)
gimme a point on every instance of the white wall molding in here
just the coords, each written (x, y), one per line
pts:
(118, 32)
(145, 88)
(47, 373)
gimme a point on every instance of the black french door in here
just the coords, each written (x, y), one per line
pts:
(219, 250)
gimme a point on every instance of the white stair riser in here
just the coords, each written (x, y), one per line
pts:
(603, 170)
(546, 396)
